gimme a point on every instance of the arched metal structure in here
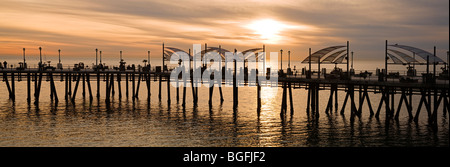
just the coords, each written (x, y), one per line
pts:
(336, 57)
(316, 56)
(172, 51)
(419, 52)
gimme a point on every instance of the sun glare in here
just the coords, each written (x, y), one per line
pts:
(267, 29)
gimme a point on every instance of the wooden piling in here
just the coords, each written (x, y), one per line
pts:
(84, 85)
(76, 88)
(35, 83)
(423, 100)
(13, 87)
(220, 93)
(329, 107)
(437, 102)
(235, 86)
(308, 101)
(193, 89)
(148, 86)
(392, 101)
(313, 98)
(178, 90)
(291, 102)
(28, 88)
(38, 89)
(403, 98)
(119, 88)
(66, 86)
(133, 85)
(89, 87)
(317, 99)
(211, 91)
(112, 84)
(53, 88)
(126, 85)
(258, 93)
(336, 99)
(70, 83)
(365, 96)
(5, 77)
(160, 80)
(49, 76)
(138, 85)
(168, 91)
(283, 101)
(107, 88)
(98, 84)
(184, 90)
(350, 94)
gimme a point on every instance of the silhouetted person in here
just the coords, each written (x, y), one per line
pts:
(5, 64)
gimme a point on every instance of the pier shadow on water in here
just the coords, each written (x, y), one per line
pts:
(124, 122)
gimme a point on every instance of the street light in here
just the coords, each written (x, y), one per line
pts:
(24, 56)
(96, 57)
(281, 59)
(40, 54)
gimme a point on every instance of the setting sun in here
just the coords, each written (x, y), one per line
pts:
(271, 31)
(267, 29)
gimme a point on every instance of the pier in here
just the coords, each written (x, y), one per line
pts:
(432, 87)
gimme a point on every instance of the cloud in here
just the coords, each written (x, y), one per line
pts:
(142, 25)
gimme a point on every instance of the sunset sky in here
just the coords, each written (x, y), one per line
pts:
(135, 26)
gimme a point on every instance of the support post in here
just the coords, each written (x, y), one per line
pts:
(13, 87)
(308, 101)
(290, 99)
(119, 80)
(76, 87)
(126, 85)
(184, 89)
(330, 100)
(28, 88)
(108, 87)
(84, 85)
(5, 77)
(89, 86)
(138, 84)
(160, 80)
(53, 88)
(133, 85)
(38, 89)
(178, 91)
(168, 91)
(98, 84)
(66, 87)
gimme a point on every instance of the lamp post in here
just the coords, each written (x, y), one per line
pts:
(352, 60)
(40, 55)
(289, 59)
(281, 60)
(96, 57)
(59, 55)
(348, 60)
(24, 56)
(100, 57)
(120, 55)
(148, 57)
(385, 61)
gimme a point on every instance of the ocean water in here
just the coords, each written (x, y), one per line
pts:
(159, 124)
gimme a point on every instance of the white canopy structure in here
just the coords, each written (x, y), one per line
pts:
(316, 56)
(419, 52)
